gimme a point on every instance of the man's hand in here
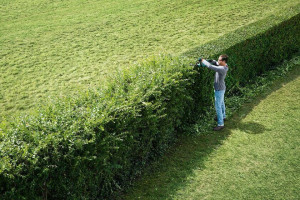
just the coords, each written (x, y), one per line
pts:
(199, 63)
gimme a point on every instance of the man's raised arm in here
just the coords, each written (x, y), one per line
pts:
(213, 67)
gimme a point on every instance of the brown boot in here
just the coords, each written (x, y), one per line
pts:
(217, 128)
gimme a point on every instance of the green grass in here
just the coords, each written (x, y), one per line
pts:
(255, 157)
(56, 48)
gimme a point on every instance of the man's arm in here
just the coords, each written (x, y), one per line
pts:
(213, 67)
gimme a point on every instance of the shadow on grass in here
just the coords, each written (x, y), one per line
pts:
(164, 177)
(252, 128)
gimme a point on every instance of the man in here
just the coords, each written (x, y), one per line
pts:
(219, 85)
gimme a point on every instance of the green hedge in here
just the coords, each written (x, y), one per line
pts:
(84, 147)
(88, 146)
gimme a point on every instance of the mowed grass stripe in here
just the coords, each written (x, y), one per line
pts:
(59, 47)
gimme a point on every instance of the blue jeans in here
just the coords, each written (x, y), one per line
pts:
(220, 106)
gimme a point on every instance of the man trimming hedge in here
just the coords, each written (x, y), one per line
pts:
(221, 69)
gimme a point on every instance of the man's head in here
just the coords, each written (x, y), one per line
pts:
(223, 59)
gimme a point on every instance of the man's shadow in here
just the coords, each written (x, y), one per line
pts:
(252, 128)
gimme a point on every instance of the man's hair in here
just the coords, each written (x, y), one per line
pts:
(224, 57)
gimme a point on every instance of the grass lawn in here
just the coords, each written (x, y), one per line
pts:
(53, 48)
(257, 156)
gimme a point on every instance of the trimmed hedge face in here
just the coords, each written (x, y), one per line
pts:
(255, 55)
(86, 147)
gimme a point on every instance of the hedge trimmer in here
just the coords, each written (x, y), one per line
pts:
(200, 64)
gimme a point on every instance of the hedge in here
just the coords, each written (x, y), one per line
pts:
(90, 145)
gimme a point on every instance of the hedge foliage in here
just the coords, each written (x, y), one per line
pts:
(88, 146)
